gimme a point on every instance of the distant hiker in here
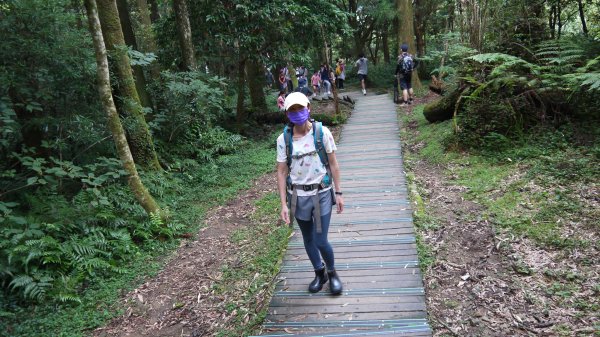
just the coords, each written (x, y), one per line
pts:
(361, 64)
(292, 78)
(305, 90)
(281, 100)
(306, 166)
(406, 64)
(316, 82)
(302, 81)
(325, 78)
(268, 78)
(282, 81)
(340, 72)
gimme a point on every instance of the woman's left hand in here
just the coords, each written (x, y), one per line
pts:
(339, 202)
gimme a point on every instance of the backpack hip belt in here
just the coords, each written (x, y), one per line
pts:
(315, 199)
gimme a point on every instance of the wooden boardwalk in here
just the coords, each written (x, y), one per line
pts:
(373, 241)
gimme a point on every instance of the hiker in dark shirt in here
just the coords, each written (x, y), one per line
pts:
(406, 64)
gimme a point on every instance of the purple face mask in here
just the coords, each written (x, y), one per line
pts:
(299, 117)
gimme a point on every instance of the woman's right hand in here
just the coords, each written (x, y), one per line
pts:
(285, 214)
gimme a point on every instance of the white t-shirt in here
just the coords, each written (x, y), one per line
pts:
(307, 170)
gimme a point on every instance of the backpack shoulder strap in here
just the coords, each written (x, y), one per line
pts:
(319, 146)
(287, 137)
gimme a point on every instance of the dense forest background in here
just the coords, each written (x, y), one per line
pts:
(100, 161)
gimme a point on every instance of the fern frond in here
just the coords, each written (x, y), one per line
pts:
(589, 80)
(494, 58)
(20, 281)
(69, 298)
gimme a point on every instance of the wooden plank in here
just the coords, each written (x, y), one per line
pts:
(366, 235)
(353, 333)
(350, 251)
(397, 272)
(352, 267)
(344, 259)
(347, 315)
(349, 278)
(343, 301)
(352, 308)
(303, 286)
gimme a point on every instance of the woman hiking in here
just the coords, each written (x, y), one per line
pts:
(305, 181)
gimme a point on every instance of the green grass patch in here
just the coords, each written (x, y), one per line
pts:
(434, 137)
(527, 185)
(263, 246)
(187, 191)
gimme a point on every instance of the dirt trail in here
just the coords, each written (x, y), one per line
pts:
(180, 301)
(485, 281)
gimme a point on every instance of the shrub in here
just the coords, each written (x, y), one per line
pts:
(188, 125)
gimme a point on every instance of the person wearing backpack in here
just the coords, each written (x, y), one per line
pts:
(406, 64)
(308, 180)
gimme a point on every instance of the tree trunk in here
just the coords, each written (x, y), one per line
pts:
(128, 34)
(336, 102)
(395, 30)
(450, 20)
(385, 43)
(406, 33)
(114, 122)
(558, 17)
(138, 134)
(582, 17)
(184, 32)
(420, 27)
(154, 13)
(256, 83)
(241, 114)
(353, 23)
(552, 21)
(148, 42)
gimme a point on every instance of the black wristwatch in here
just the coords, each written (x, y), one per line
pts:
(338, 193)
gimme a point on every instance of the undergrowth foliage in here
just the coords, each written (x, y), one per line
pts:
(75, 223)
(506, 95)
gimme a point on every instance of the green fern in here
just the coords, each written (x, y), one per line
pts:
(494, 58)
(562, 55)
(589, 80)
(69, 298)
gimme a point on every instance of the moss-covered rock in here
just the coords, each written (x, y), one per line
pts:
(442, 109)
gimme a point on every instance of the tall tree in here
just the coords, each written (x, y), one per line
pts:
(385, 42)
(582, 17)
(154, 12)
(148, 41)
(114, 122)
(129, 35)
(184, 32)
(138, 134)
(406, 33)
(256, 83)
